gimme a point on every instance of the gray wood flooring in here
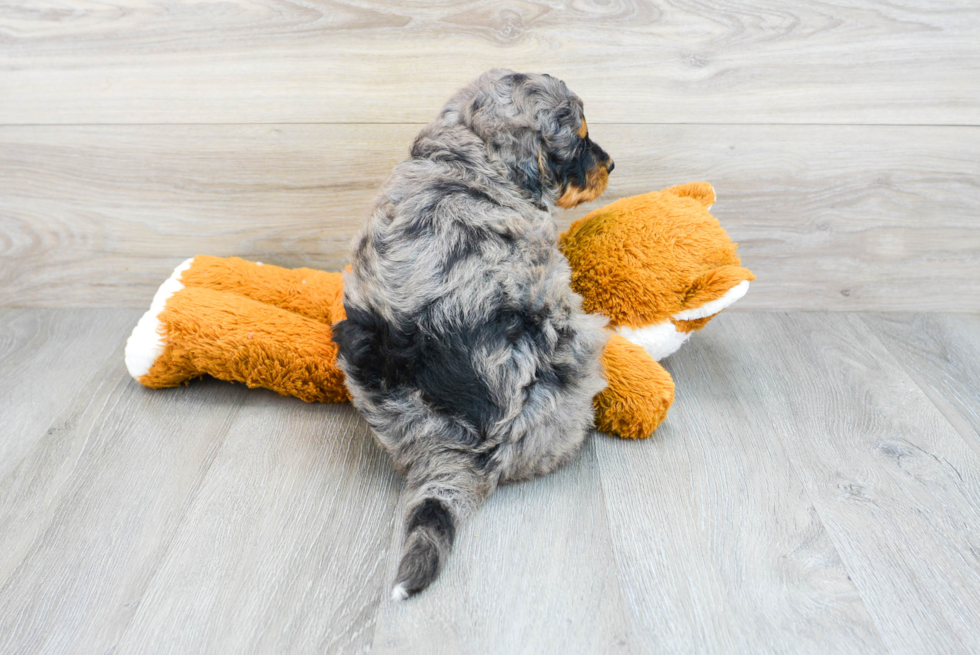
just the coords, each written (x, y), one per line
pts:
(816, 488)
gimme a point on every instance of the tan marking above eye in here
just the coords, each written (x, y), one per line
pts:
(584, 130)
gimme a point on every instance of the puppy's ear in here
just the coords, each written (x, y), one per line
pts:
(525, 155)
(471, 111)
(558, 120)
(513, 140)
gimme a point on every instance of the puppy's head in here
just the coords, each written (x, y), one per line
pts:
(534, 125)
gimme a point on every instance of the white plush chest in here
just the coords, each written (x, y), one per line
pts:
(663, 339)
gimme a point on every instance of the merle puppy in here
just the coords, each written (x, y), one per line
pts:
(464, 347)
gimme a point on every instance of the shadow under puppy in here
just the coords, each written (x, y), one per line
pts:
(464, 346)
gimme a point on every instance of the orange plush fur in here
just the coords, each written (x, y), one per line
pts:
(240, 321)
(639, 394)
(659, 265)
(641, 261)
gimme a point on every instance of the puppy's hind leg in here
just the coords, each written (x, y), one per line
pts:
(443, 490)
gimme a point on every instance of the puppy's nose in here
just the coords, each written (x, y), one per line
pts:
(610, 166)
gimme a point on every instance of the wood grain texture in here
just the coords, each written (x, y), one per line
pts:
(940, 352)
(845, 61)
(828, 217)
(804, 496)
(532, 572)
(47, 358)
(719, 546)
(284, 548)
(133, 202)
(895, 486)
(88, 514)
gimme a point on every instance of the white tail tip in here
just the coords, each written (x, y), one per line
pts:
(399, 593)
(147, 342)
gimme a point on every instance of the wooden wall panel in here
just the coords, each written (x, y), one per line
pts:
(829, 217)
(369, 61)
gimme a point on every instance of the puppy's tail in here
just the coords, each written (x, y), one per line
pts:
(441, 500)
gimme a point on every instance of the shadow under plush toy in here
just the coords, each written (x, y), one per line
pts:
(658, 265)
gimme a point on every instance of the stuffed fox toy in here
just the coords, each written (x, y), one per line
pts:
(658, 265)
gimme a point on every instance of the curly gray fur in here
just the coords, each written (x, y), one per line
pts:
(464, 346)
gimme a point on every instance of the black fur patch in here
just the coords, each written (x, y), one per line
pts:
(435, 359)
(383, 357)
(446, 188)
(482, 460)
(419, 566)
(362, 245)
(432, 515)
(429, 214)
(463, 248)
(556, 376)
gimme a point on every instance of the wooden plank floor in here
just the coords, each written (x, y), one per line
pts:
(816, 488)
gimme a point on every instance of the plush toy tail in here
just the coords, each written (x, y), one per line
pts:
(148, 340)
(714, 291)
(191, 331)
(702, 192)
(304, 291)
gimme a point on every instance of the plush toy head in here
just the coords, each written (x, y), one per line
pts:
(658, 265)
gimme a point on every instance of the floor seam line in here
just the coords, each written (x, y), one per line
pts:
(960, 425)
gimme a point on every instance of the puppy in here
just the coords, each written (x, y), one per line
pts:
(464, 347)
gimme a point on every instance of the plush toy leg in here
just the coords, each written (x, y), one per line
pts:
(192, 331)
(311, 293)
(639, 394)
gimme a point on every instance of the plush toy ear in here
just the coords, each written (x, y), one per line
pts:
(713, 291)
(703, 192)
